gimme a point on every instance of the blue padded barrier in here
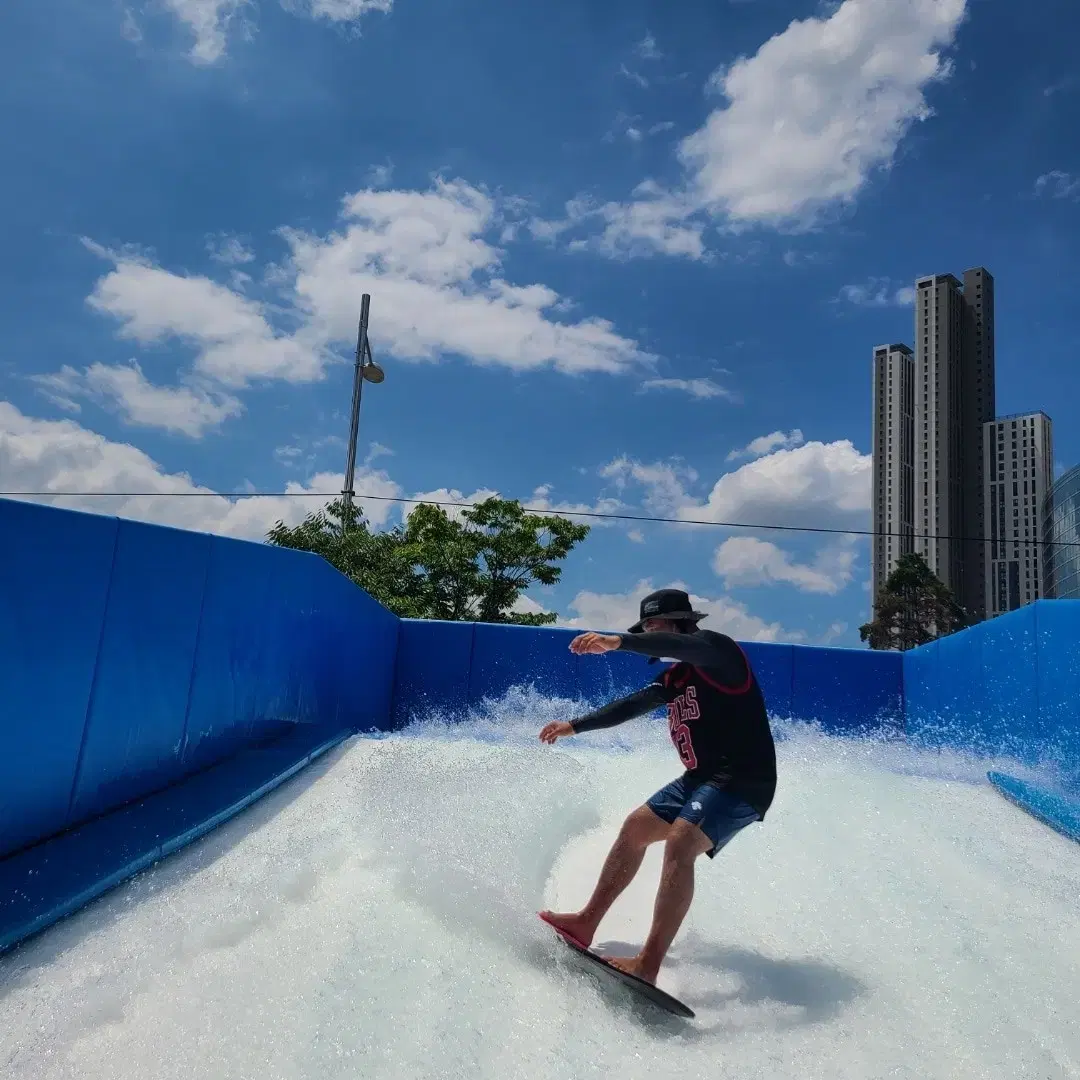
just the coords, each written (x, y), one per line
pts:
(134, 655)
(285, 639)
(921, 691)
(451, 667)
(135, 723)
(55, 567)
(773, 664)
(1060, 812)
(351, 641)
(433, 664)
(978, 690)
(152, 683)
(1010, 722)
(45, 883)
(1058, 682)
(959, 714)
(847, 691)
(251, 648)
(506, 655)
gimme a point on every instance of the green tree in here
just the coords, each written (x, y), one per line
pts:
(914, 607)
(437, 567)
(376, 561)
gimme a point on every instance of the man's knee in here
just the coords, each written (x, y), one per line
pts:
(642, 827)
(685, 841)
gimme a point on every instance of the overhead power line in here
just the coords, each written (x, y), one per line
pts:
(606, 515)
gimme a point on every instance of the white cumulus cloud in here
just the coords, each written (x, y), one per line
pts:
(617, 611)
(1058, 185)
(338, 10)
(665, 484)
(818, 484)
(440, 290)
(747, 561)
(766, 444)
(696, 388)
(430, 262)
(819, 107)
(188, 410)
(233, 336)
(815, 485)
(878, 292)
(63, 463)
(803, 125)
(653, 220)
(60, 456)
(208, 21)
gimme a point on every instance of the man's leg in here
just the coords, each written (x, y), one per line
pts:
(708, 821)
(684, 844)
(641, 828)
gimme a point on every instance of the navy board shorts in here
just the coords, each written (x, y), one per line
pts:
(717, 813)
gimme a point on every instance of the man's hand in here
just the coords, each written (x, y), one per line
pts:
(595, 643)
(555, 730)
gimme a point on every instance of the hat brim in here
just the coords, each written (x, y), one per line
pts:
(674, 616)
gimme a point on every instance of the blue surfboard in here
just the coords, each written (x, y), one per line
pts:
(1060, 812)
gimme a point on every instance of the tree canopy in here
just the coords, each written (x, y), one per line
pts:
(434, 566)
(914, 607)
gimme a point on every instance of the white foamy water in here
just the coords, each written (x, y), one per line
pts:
(376, 918)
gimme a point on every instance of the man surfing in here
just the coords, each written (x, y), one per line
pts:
(718, 723)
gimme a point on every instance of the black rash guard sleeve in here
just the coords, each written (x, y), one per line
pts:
(717, 654)
(618, 712)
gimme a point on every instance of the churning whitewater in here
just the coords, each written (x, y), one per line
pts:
(376, 918)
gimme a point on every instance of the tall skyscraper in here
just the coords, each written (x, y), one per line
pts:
(894, 459)
(933, 433)
(1018, 462)
(1061, 531)
(954, 399)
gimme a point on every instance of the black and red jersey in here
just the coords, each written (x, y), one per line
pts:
(716, 712)
(721, 730)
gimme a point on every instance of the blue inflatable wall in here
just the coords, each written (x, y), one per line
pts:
(1009, 686)
(133, 656)
(154, 682)
(446, 669)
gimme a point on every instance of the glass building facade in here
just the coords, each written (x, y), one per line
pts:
(1062, 526)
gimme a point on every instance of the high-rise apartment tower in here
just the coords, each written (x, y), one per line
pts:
(954, 399)
(1019, 456)
(1061, 532)
(894, 459)
(930, 409)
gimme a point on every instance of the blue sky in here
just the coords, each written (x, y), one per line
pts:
(627, 257)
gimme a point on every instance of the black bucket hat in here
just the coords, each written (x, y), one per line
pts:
(666, 604)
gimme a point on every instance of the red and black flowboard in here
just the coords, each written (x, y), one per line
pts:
(646, 989)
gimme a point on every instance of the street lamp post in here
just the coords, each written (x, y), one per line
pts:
(365, 370)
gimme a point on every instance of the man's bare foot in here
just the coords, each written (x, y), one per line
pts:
(634, 965)
(572, 924)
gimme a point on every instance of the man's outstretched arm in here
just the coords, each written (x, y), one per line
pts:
(618, 712)
(615, 712)
(692, 648)
(726, 663)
